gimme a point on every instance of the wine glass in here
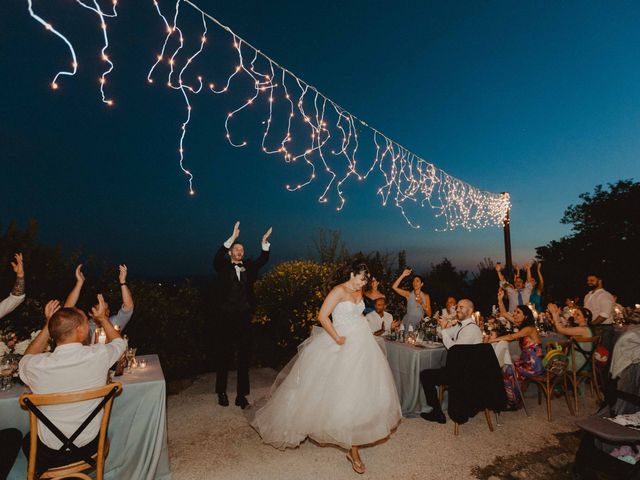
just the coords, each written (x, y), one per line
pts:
(6, 374)
(130, 355)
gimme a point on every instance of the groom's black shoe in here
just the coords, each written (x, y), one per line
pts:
(223, 399)
(242, 402)
(434, 416)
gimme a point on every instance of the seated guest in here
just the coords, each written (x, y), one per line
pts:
(465, 333)
(449, 311)
(10, 438)
(530, 363)
(581, 318)
(70, 367)
(379, 320)
(371, 295)
(520, 292)
(118, 320)
(17, 295)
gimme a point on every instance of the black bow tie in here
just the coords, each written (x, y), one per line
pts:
(237, 264)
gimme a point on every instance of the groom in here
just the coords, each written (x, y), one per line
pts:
(236, 302)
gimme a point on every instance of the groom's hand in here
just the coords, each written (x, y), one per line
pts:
(236, 230)
(265, 237)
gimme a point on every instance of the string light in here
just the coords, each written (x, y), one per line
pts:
(103, 55)
(408, 180)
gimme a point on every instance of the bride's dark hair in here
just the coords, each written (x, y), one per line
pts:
(343, 272)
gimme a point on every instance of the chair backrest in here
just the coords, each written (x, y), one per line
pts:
(31, 401)
(475, 381)
(588, 354)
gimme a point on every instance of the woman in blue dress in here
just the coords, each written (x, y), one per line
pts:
(418, 302)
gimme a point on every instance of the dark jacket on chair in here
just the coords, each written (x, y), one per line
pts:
(475, 381)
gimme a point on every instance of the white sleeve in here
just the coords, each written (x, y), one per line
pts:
(266, 246)
(115, 349)
(23, 368)
(447, 339)
(10, 303)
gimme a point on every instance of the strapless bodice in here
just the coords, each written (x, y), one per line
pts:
(346, 312)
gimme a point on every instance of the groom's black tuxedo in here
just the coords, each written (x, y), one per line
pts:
(237, 294)
(236, 301)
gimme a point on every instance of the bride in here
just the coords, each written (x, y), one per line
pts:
(338, 389)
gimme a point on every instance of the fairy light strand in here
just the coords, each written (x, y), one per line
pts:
(408, 180)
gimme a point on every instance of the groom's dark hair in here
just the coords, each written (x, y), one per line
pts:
(236, 243)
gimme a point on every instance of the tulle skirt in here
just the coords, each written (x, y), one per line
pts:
(340, 395)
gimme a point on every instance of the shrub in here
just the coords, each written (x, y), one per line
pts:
(289, 297)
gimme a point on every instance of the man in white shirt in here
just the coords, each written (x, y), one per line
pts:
(70, 367)
(10, 438)
(17, 295)
(520, 292)
(600, 303)
(466, 332)
(380, 321)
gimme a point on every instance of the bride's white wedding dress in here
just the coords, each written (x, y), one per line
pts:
(334, 394)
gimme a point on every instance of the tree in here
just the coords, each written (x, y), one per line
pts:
(329, 246)
(443, 280)
(605, 240)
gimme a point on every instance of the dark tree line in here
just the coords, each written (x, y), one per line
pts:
(605, 240)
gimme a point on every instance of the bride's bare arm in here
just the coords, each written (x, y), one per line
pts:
(334, 297)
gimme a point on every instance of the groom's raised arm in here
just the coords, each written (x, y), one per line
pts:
(219, 260)
(262, 260)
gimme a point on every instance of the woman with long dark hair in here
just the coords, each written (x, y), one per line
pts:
(530, 363)
(338, 389)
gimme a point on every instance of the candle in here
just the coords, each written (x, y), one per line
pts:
(102, 338)
(142, 363)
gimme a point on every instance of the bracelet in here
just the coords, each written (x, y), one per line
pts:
(123, 284)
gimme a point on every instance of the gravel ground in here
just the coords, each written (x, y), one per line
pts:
(207, 441)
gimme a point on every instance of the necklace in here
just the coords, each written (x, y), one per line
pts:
(351, 288)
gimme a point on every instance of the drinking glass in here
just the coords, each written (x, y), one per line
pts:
(131, 356)
(6, 375)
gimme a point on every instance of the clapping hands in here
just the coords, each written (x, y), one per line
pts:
(265, 237)
(99, 312)
(50, 308)
(122, 275)
(79, 274)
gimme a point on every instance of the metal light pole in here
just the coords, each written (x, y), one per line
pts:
(507, 247)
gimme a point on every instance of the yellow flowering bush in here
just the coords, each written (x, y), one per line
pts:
(289, 297)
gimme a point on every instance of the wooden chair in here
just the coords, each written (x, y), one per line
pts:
(585, 374)
(475, 384)
(487, 415)
(547, 382)
(31, 401)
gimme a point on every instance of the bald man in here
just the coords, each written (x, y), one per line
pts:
(466, 332)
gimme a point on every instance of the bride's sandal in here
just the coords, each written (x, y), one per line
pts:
(358, 467)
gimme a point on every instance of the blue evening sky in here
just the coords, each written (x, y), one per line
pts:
(540, 99)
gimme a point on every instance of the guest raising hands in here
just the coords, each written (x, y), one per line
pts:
(17, 295)
(418, 302)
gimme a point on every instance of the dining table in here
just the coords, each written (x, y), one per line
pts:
(406, 361)
(137, 427)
